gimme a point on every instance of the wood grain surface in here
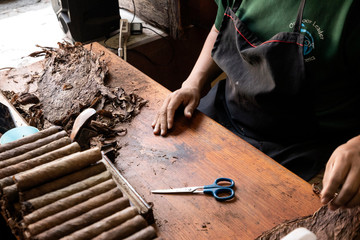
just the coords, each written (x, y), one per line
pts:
(194, 153)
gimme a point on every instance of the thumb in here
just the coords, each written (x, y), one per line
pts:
(189, 110)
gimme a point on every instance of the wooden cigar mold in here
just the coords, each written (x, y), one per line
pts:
(50, 189)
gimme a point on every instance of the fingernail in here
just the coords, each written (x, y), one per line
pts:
(156, 130)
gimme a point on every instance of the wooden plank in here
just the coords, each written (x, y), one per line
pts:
(162, 14)
(195, 153)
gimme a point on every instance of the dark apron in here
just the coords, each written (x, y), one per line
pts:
(266, 99)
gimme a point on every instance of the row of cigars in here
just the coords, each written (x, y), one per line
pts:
(50, 189)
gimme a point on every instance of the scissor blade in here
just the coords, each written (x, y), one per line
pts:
(176, 190)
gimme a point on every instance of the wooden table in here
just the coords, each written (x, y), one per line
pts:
(194, 153)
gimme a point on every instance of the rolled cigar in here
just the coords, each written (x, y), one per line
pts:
(59, 152)
(10, 194)
(84, 220)
(46, 199)
(66, 203)
(57, 168)
(145, 234)
(30, 146)
(121, 231)
(31, 138)
(73, 212)
(63, 181)
(36, 152)
(6, 182)
(129, 214)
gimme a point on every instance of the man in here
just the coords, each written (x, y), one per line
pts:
(292, 87)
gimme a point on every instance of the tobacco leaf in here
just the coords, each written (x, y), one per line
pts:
(75, 66)
(73, 79)
(26, 98)
(324, 223)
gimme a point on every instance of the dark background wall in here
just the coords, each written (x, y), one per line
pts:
(188, 22)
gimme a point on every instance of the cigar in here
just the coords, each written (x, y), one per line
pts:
(57, 168)
(145, 234)
(31, 138)
(105, 224)
(84, 220)
(45, 158)
(67, 203)
(46, 199)
(121, 231)
(10, 194)
(6, 182)
(30, 146)
(9, 204)
(36, 152)
(53, 220)
(62, 182)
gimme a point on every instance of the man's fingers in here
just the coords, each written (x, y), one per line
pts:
(163, 122)
(190, 107)
(335, 177)
(174, 104)
(153, 124)
(160, 124)
(165, 117)
(355, 201)
(156, 125)
(348, 190)
(328, 171)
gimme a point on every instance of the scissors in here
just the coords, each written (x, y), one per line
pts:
(214, 189)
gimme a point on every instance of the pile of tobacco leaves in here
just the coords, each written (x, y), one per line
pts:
(324, 223)
(72, 80)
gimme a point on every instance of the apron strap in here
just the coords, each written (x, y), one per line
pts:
(297, 26)
(236, 4)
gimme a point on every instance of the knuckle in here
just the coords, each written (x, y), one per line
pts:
(336, 181)
(170, 108)
(174, 94)
(162, 112)
(348, 191)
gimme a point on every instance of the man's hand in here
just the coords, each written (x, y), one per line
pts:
(342, 176)
(187, 96)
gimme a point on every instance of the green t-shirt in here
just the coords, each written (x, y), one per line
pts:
(331, 53)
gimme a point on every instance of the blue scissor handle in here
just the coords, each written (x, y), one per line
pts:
(215, 189)
(222, 179)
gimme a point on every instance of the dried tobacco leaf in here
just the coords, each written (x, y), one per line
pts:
(67, 66)
(325, 224)
(26, 98)
(72, 80)
(28, 106)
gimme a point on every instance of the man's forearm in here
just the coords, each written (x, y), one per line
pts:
(205, 69)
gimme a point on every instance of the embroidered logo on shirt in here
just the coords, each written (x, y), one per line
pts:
(310, 28)
(309, 43)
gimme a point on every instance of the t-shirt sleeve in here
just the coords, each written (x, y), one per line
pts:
(220, 13)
